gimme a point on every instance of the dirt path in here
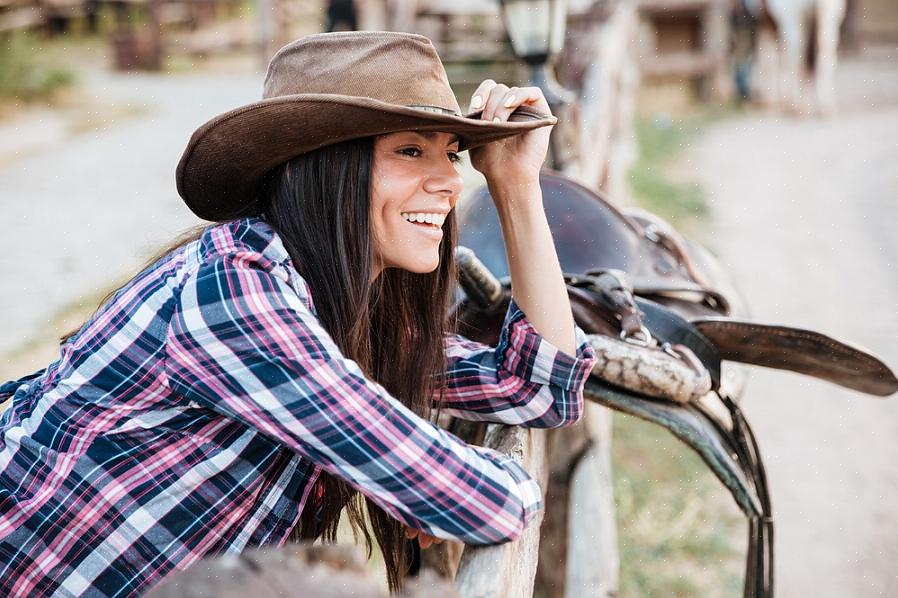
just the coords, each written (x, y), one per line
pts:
(805, 214)
(85, 212)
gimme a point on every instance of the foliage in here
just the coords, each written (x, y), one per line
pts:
(653, 180)
(24, 75)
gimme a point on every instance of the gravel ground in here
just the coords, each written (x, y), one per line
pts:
(805, 215)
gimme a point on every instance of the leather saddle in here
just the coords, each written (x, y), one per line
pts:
(681, 295)
(665, 269)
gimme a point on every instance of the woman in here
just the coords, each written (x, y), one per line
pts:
(249, 384)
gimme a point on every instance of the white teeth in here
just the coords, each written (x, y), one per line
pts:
(425, 217)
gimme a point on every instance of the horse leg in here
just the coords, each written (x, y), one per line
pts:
(790, 18)
(829, 18)
(792, 43)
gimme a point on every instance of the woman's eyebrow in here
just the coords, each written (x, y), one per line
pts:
(431, 134)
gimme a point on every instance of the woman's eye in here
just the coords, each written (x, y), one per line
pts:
(454, 157)
(410, 151)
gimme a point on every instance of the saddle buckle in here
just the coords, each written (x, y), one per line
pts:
(641, 337)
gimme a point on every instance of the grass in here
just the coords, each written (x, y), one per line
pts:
(654, 181)
(679, 532)
(26, 74)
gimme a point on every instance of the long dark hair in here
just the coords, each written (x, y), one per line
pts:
(318, 203)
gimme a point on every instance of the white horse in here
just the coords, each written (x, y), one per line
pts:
(783, 51)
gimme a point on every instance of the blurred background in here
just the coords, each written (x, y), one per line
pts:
(767, 132)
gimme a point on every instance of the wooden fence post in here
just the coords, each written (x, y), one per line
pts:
(507, 570)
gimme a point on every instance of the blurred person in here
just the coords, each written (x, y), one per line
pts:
(283, 365)
(340, 15)
(743, 28)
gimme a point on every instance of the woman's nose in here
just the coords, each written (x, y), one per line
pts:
(444, 179)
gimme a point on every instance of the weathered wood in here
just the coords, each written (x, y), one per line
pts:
(565, 447)
(666, 7)
(696, 45)
(551, 569)
(307, 570)
(604, 71)
(592, 557)
(716, 43)
(679, 64)
(25, 17)
(313, 571)
(507, 570)
(578, 543)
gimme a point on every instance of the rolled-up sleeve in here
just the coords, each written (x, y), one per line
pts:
(243, 343)
(524, 380)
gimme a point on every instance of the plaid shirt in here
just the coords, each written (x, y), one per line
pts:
(192, 415)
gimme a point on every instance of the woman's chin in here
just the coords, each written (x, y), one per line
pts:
(422, 268)
(418, 266)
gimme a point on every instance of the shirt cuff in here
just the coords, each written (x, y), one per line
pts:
(531, 357)
(530, 493)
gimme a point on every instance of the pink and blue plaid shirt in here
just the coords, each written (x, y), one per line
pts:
(193, 413)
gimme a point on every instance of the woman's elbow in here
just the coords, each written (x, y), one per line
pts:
(565, 410)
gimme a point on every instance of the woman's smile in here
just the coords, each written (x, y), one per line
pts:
(426, 223)
(424, 218)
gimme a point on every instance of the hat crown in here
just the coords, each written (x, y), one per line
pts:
(397, 68)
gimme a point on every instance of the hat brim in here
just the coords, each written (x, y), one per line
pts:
(226, 158)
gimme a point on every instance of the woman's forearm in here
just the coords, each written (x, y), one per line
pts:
(537, 283)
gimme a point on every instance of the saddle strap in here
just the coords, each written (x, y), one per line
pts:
(759, 560)
(669, 327)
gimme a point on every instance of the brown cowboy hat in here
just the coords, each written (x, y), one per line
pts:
(323, 89)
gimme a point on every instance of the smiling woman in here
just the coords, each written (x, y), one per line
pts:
(280, 367)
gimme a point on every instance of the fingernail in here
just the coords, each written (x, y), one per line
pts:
(496, 119)
(476, 102)
(510, 101)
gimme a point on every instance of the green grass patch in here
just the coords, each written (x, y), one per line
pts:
(679, 532)
(27, 75)
(654, 181)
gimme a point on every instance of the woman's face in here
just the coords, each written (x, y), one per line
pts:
(414, 185)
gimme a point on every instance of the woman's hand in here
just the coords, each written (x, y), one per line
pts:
(518, 157)
(424, 540)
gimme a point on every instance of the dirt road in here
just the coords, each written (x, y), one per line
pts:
(85, 213)
(805, 214)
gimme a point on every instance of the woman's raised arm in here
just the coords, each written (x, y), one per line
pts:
(511, 167)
